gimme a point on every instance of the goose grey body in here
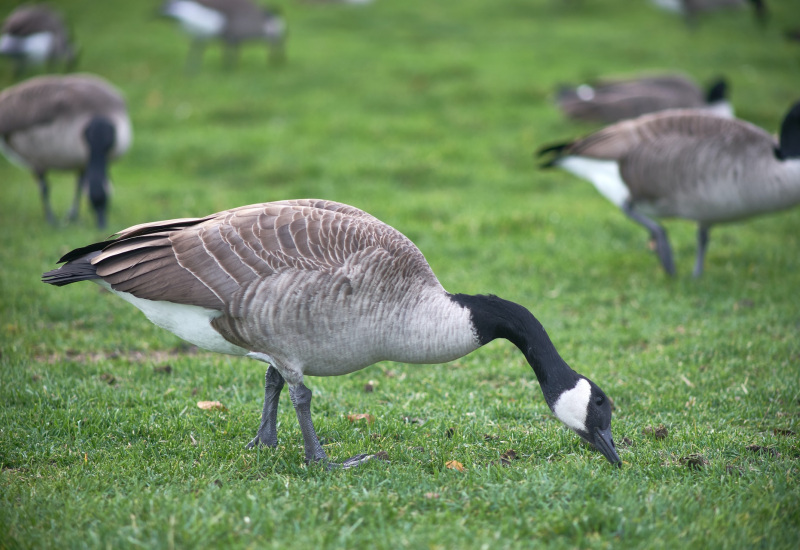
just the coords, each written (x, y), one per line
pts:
(691, 165)
(72, 122)
(323, 289)
(35, 34)
(614, 100)
(231, 21)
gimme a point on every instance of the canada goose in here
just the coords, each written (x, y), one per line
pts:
(690, 9)
(232, 21)
(688, 164)
(72, 122)
(613, 100)
(35, 34)
(319, 288)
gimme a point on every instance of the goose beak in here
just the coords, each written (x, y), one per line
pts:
(605, 444)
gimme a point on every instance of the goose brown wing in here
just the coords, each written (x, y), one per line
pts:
(205, 262)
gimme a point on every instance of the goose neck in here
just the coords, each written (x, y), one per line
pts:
(495, 318)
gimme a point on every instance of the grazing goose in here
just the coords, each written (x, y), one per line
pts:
(690, 9)
(232, 21)
(614, 100)
(688, 164)
(72, 122)
(319, 288)
(35, 34)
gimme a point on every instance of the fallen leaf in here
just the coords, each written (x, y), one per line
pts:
(381, 455)
(431, 495)
(510, 454)
(455, 465)
(211, 405)
(164, 369)
(194, 441)
(368, 417)
(626, 442)
(413, 420)
(760, 449)
(369, 388)
(108, 378)
(783, 431)
(659, 433)
(695, 461)
(489, 437)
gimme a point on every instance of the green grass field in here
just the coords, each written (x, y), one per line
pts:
(425, 114)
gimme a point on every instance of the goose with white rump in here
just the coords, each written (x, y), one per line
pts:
(691, 9)
(232, 21)
(688, 164)
(319, 288)
(71, 122)
(36, 34)
(612, 100)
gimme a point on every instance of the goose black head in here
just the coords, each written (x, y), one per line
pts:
(587, 411)
(790, 135)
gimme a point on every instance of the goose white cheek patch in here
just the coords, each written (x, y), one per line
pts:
(572, 405)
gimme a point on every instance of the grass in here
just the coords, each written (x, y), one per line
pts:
(426, 115)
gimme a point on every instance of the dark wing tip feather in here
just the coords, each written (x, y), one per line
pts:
(556, 151)
(79, 268)
(84, 250)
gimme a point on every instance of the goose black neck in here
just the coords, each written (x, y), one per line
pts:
(99, 135)
(718, 91)
(495, 318)
(790, 134)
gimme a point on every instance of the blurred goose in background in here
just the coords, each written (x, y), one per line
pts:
(72, 122)
(688, 164)
(318, 288)
(35, 34)
(232, 21)
(613, 100)
(690, 9)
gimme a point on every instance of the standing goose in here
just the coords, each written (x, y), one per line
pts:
(687, 164)
(614, 100)
(319, 288)
(35, 34)
(691, 9)
(232, 21)
(73, 122)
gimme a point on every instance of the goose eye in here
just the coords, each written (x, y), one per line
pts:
(600, 400)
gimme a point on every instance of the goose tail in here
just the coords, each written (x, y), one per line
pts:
(78, 266)
(555, 153)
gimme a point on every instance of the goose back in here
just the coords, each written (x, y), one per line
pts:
(614, 100)
(321, 285)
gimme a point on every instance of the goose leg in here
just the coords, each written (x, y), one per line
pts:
(76, 202)
(657, 233)
(702, 245)
(44, 190)
(301, 399)
(267, 434)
